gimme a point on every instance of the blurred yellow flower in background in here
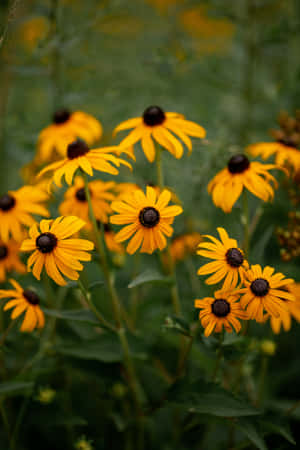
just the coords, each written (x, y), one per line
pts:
(184, 245)
(10, 259)
(33, 31)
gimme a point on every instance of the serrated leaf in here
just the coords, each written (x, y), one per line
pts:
(249, 429)
(279, 428)
(15, 387)
(150, 276)
(105, 349)
(207, 398)
(78, 315)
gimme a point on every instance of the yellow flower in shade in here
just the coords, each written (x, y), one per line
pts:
(17, 208)
(184, 245)
(264, 291)
(229, 259)
(164, 128)
(75, 201)
(65, 129)
(293, 310)
(286, 154)
(223, 310)
(227, 186)
(24, 300)
(9, 259)
(148, 219)
(79, 156)
(53, 248)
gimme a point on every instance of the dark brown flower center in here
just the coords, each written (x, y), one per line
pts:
(7, 202)
(149, 217)
(61, 116)
(238, 164)
(260, 287)
(46, 242)
(31, 297)
(220, 308)
(76, 149)
(154, 115)
(288, 142)
(3, 251)
(80, 195)
(234, 257)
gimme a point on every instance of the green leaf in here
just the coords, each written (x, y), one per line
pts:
(282, 429)
(177, 325)
(105, 349)
(78, 315)
(249, 429)
(95, 285)
(150, 276)
(15, 387)
(208, 398)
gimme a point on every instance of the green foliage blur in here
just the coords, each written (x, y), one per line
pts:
(230, 66)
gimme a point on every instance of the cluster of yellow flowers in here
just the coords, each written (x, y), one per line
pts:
(66, 147)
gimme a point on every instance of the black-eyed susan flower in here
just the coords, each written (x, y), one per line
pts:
(286, 147)
(264, 291)
(17, 208)
(184, 245)
(229, 260)
(79, 156)
(222, 310)
(66, 128)
(147, 217)
(24, 300)
(75, 201)
(227, 186)
(292, 311)
(9, 259)
(163, 127)
(54, 248)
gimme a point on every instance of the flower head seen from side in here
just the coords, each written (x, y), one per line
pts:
(292, 311)
(286, 144)
(265, 291)
(222, 310)
(147, 219)
(53, 247)
(184, 245)
(24, 300)
(17, 209)
(227, 186)
(10, 259)
(75, 201)
(66, 127)
(79, 156)
(163, 127)
(229, 260)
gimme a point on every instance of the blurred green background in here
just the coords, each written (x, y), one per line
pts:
(230, 66)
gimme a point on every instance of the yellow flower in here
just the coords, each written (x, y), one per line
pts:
(110, 241)
(160, 126)
(149, 218)
(293, 310)
(80, 156)
(229, 259)
(16, 209)
(75, 201)
(24, 300)
(264, 291)
(184, 245)
(285, 153)
(65, 129)
(122, 189)
(222, 310)
(9, 259)
(227, 186)
(53, 249)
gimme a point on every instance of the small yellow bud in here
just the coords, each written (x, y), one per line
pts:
(83, 444)
(45, 395)
(268, 347)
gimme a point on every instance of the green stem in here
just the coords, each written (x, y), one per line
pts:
(219, 357)
(171, 266)
(134, 384)
(262, 377)
(88, 299)
(5, 420)
(245, 222)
